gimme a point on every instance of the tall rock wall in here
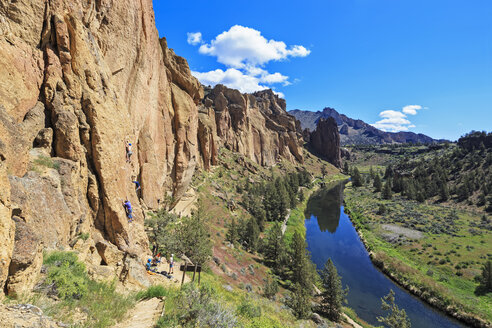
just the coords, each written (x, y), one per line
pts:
(79, 79)
(255, 125)
(325, 141)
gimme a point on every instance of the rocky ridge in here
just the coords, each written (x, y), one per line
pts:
(357, 131)
(79, 80)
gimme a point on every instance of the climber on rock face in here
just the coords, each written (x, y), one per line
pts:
(138, 190)
(128, 151)
(128, 209)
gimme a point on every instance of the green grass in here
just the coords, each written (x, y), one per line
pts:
(443, 263)
(82, 302)
(44, 161)
(151, 292)
(247, 309)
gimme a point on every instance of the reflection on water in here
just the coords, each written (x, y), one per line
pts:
(325, 206)
(330, 234)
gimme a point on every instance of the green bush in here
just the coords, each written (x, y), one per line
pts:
(67, 274)
(100, 301)
(151, 292)
(248, 309)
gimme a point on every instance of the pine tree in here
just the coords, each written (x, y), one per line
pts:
(396, 318)
(356, 178)
(333, 295)
(274, 245)
(371, 172)
(300, 302)
(485, 279)
(346, 168)
(443, 191)
(377, 183)
(271, 288)
(251, 234)
(387, 194)
(232, 235)
(284, 199)
(303, 270)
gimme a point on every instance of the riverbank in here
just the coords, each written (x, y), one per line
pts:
(394, 259)
(295, 222)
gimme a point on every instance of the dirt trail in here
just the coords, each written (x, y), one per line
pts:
(284, 224)
(144, 315)
(352, 322)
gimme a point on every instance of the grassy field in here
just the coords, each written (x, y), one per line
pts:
(434, 249)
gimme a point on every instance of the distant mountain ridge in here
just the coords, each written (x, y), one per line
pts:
(357, 131)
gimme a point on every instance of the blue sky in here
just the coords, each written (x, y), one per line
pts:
(368, 59)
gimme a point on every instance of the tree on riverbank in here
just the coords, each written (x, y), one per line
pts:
(356, 178)
(485, 279)
(396, 318)
(334, 295)
(377, 183)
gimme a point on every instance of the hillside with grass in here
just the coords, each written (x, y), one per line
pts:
(424, 215)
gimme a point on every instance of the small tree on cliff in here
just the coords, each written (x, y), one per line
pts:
(396, 318)
(334, 295)
(324, 171)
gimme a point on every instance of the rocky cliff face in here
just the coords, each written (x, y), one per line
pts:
(78, 80)
(325, 141)
(255, 125)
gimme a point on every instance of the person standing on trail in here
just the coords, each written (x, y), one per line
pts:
(128, 209)
(128, 151)
(171, 264)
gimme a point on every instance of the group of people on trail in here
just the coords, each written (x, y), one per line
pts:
(153, 262)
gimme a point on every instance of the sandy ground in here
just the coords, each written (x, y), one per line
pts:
(396, 231)
(144, 315)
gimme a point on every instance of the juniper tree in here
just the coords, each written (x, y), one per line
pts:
(387, 193)
(377, 183)
(396, 318)
(356, 178)
(485, 279)
(333, 295)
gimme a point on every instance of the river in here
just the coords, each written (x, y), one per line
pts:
(330, 234)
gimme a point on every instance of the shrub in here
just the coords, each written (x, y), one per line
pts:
(151, 292)
(248, 309)
(67, 274)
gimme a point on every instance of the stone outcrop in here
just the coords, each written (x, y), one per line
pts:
(325, 141)
(255, 125)
(81, 78)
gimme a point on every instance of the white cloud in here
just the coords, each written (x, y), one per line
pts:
(232, 78)
(411, 109)
(194, 38)
(394, 121)
(242, 46)
(245, 52)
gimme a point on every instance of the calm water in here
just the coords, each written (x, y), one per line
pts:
(330, 234)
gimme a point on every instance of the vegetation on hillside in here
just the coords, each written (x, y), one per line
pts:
(424, 216)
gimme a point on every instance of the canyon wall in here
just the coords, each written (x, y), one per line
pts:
(79, 79)
(325, 141)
